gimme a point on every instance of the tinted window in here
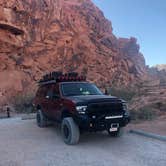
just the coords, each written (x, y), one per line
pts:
(56, 90)
(41, 91)
(50, 93)
(77, 89)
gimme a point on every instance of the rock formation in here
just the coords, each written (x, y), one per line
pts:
(152, 91)
(160, 67)
(38, 36)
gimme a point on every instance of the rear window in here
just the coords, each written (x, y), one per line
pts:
(42, 91)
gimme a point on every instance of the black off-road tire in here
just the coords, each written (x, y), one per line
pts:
(117, 133)
(70, 131)
(41, 119)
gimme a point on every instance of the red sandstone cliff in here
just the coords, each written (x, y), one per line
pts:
(38, 36)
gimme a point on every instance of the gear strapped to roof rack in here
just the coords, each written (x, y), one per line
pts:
(54, 77)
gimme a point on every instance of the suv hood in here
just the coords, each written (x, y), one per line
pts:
(93, 99)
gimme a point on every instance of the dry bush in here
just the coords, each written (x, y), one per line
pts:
(124, 93)
(144, 113)
(23, 102)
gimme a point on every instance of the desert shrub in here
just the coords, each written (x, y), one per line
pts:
(124, 93)
(144, 113)
(160, 105)
(23, 102)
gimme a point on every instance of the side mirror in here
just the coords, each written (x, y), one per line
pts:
(106, 92)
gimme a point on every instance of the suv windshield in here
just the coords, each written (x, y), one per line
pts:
(77, 89)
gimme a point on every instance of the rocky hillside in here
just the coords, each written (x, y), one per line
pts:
(38, 36)
(151, 93)
(160, 67)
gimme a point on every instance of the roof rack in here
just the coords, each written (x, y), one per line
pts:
(54, 77)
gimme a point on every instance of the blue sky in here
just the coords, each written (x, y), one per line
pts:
(143, 19)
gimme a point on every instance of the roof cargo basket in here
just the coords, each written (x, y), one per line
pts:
(55, 76)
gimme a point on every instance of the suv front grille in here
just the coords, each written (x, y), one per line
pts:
(105, 109)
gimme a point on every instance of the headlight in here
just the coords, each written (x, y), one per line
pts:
(81, 109)
(127, 113)
(125, 107)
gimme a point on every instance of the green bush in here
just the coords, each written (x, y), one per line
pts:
(23, 103)
(144, 113)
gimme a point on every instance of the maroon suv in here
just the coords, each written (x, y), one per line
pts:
(78, 106)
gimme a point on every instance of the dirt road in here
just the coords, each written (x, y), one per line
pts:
(22, 143)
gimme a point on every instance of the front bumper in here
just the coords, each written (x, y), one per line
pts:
(91, 124)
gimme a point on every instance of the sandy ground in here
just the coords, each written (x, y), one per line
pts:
(22, 143)
(157, 126)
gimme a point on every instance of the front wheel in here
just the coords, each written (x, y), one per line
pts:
(117, 133)
(70, 131)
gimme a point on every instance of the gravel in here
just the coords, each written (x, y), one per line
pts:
(22, 143)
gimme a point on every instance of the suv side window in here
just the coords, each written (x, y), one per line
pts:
(56, 90)
(41, 91)
(50, 93)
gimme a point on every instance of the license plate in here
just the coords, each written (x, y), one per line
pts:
(113, 129)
